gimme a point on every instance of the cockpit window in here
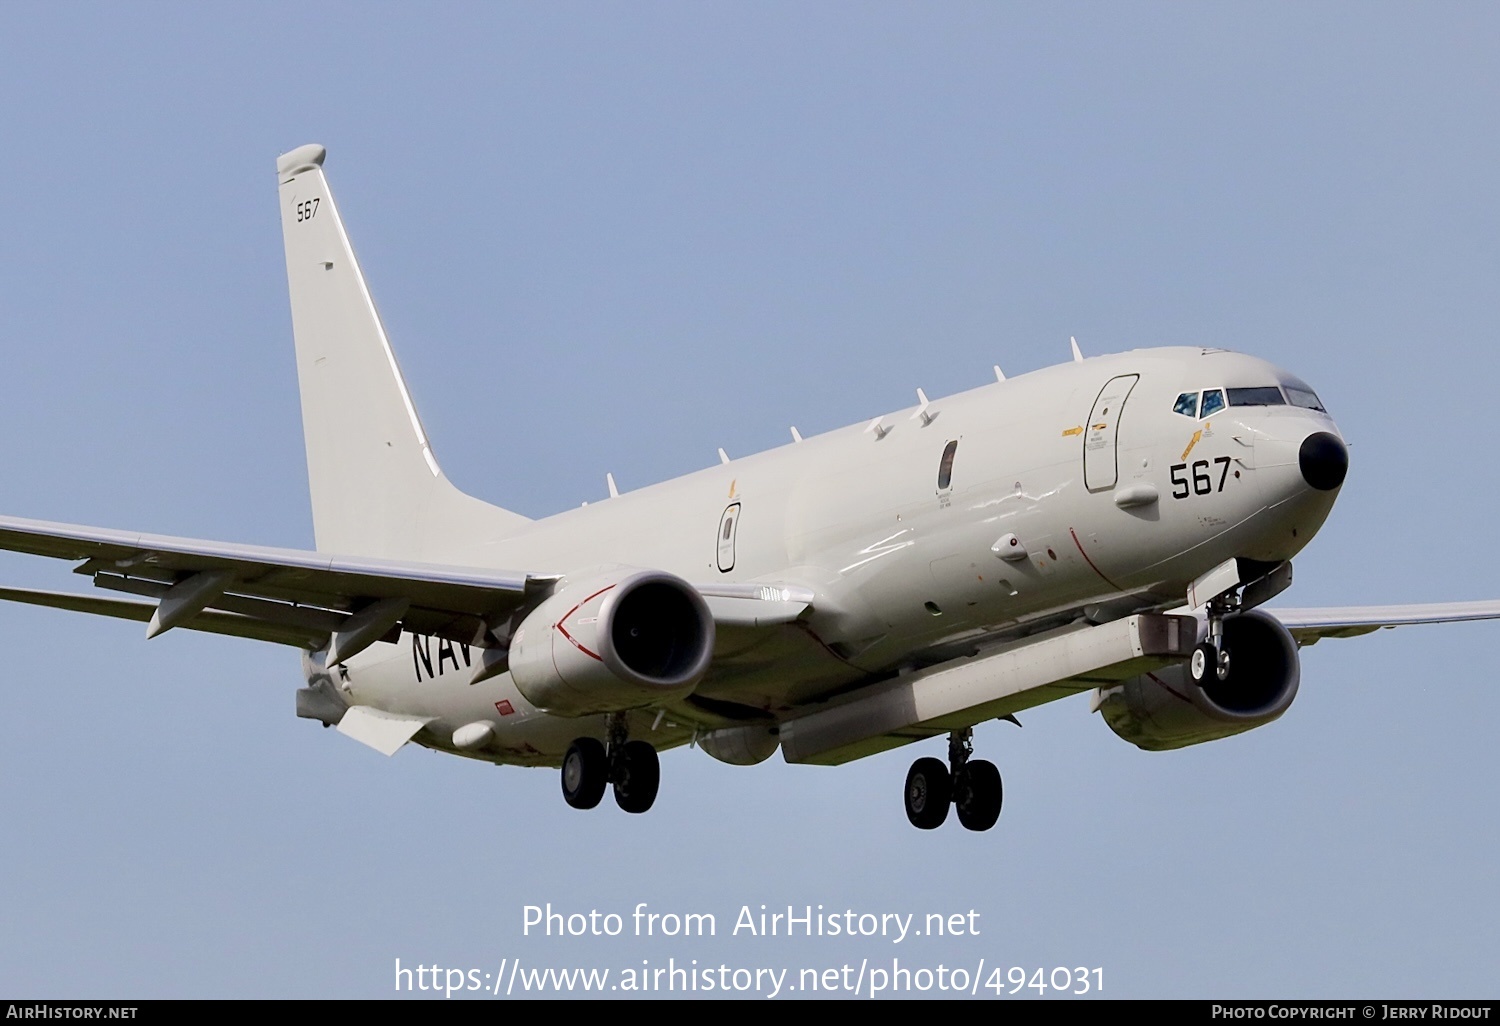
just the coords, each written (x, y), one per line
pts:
(1305, 398)
(1214, 399)
(1267, 396)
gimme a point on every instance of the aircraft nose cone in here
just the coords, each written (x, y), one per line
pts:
(1324, 461)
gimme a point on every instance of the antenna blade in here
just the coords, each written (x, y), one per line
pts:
(922, 410)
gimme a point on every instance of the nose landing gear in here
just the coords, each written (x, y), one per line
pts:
(972, 786)
(1210, 660)
(631, 766)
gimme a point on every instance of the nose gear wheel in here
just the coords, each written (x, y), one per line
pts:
(1208, 664)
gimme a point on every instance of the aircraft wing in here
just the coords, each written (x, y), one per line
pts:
(300, 598)
(282, 595)
(1308, 626)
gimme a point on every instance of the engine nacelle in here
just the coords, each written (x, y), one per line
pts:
(1164, 710)
(613, 642)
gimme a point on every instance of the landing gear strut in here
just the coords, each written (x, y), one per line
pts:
(1210, 660)
(631, 766)
(972, 786)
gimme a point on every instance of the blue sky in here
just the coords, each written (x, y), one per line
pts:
(612, 237)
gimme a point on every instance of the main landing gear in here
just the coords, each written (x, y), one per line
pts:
(972, 786)
(631, 766)
(1209, 662)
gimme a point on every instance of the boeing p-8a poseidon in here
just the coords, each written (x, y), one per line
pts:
(1108, 525)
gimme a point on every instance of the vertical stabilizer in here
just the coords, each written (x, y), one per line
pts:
(376, 486)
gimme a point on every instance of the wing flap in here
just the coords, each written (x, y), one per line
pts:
(232, 624)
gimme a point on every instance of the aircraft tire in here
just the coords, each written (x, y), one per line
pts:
(585, 771)
(977, 794)
(929, 792)
(1203, 662)
(637, 777)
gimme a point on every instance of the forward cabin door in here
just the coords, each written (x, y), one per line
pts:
(1100, 435)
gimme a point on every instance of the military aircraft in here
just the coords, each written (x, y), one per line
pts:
(1110, 525)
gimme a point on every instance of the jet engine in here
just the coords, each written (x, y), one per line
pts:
(1165, 709)
(613, 642)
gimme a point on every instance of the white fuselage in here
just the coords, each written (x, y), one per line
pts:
(1116, 501)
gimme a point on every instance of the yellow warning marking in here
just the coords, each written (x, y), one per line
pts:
(1100, 427)
(732, 483)
(1073, 431)
(1196, 435)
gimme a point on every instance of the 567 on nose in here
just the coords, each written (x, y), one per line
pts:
(1202, 480)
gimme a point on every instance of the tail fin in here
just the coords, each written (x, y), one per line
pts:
(376, 486)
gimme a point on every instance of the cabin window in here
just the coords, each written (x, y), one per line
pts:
(1187, 404)
(1213, 402)
(1269, 395)
(945, 466)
